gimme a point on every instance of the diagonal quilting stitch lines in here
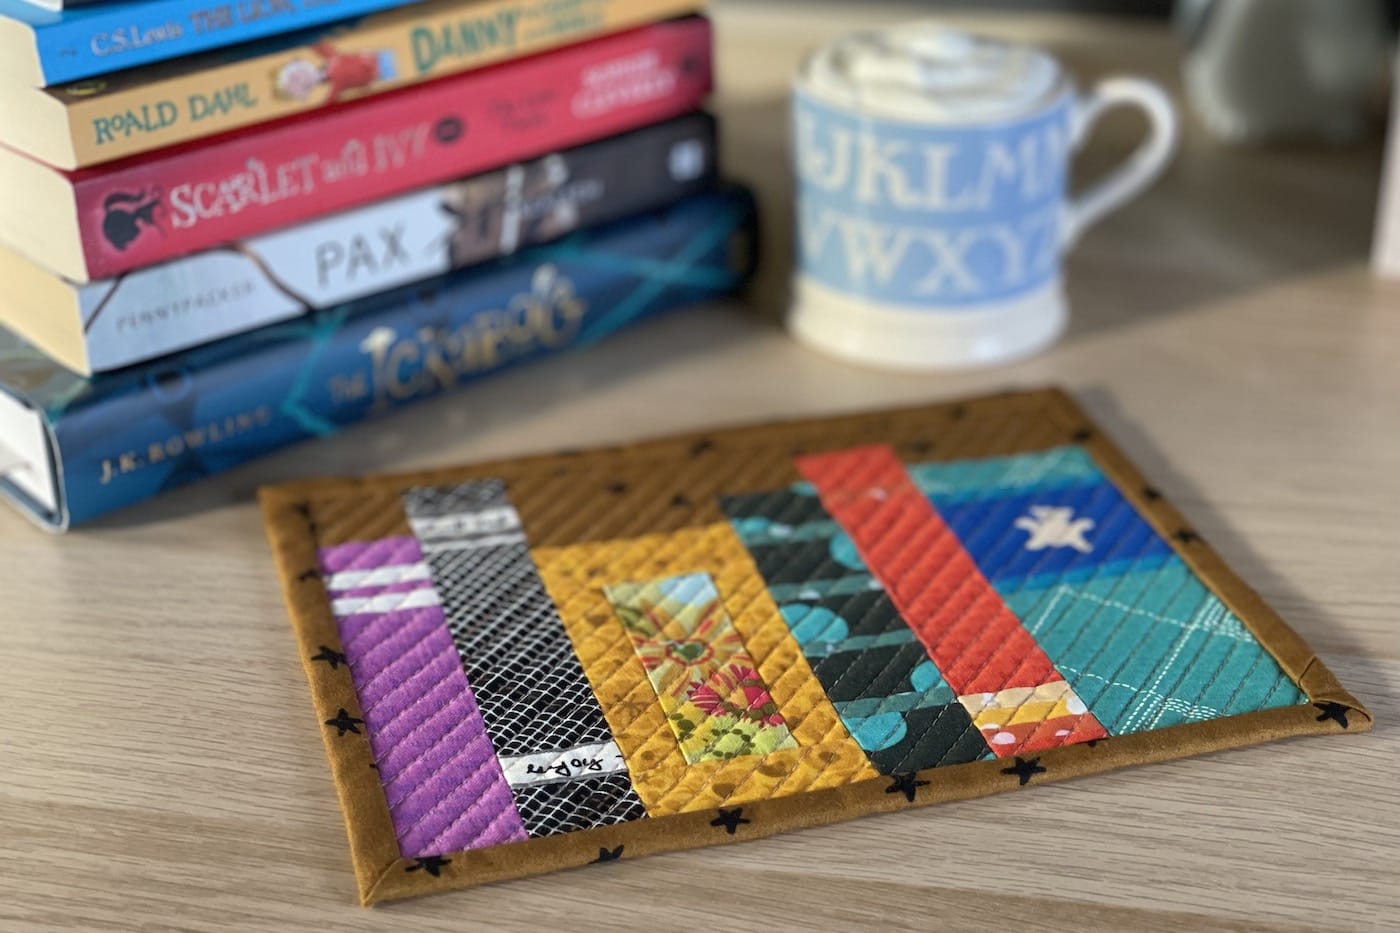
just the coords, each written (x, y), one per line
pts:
(438, 772)
(1194, 656)
(703, 674)
(980, 647)
(827, 756)
(441, 779)
(528, 681)
(523, 670)
(792, 538)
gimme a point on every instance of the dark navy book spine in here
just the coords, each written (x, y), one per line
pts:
(125, 436)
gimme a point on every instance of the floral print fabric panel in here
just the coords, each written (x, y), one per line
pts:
(707, 683)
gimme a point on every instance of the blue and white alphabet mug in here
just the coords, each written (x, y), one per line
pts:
(932, 201)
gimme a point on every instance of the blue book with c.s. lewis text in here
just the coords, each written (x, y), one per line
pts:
(42, 47)
(73, 448)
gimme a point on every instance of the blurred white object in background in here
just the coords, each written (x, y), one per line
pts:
(1385, 253)
(1260, 70)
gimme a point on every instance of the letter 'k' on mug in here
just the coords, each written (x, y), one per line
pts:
(932, 203)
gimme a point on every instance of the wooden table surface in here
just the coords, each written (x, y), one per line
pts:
(160, 766)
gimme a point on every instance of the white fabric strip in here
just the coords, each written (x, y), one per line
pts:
(385, 602)
(377, 576)
(467, 544)
(490, 521)
(586, 761)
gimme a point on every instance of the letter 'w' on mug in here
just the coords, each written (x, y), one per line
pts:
(932, 202)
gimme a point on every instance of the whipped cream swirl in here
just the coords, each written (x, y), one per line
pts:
(929, 73)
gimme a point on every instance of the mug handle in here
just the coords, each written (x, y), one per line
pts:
(1142, 167)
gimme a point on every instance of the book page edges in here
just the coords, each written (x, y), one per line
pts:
(36, 122)
(40, 219)
(43, 309)
(29, 463)
(19, 56)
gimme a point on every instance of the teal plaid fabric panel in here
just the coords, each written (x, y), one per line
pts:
(1152, 649)
(1138, 636)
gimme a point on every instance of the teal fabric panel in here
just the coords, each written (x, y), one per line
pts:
(955, 481)
(1150, 649)
(1140, 639)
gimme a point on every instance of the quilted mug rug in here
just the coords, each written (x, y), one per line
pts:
(541, 663)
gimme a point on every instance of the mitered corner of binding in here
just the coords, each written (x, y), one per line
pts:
(1331, 699)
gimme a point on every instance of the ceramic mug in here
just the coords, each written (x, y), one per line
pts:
(932, 201)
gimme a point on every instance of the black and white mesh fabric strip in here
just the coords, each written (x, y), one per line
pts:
(539, 710)
(550, 809)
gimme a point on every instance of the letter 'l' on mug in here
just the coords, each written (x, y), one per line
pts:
(932, 204)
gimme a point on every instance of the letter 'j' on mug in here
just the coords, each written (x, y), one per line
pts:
(932, 200)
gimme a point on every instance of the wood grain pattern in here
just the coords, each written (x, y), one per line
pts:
(159, 766)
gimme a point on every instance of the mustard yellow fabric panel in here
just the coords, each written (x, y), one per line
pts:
(824, 756)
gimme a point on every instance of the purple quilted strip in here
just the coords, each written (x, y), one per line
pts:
(365, 555)
(444, 785)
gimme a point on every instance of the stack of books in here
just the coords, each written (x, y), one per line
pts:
(226, 226)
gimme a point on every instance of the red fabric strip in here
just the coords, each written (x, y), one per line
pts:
(975, 640)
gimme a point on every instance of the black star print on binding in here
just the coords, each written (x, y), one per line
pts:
(920, 447)
(730, 820)
(1337, 712)
(344, 723)
(608, 855)
(1186, 536)
(304, 510)
(333, 658)
(617, 487)
(432, 864)
(904, 784)
(679, 501)
(701, 446)
(1151, 493)
(312, 574)
(1082, 435)
(1024, 768)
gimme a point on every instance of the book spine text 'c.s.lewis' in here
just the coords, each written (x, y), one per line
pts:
(100, 38)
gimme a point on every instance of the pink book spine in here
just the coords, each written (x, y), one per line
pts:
(192, 198)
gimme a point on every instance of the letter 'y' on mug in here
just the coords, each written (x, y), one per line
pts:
(933, 209)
